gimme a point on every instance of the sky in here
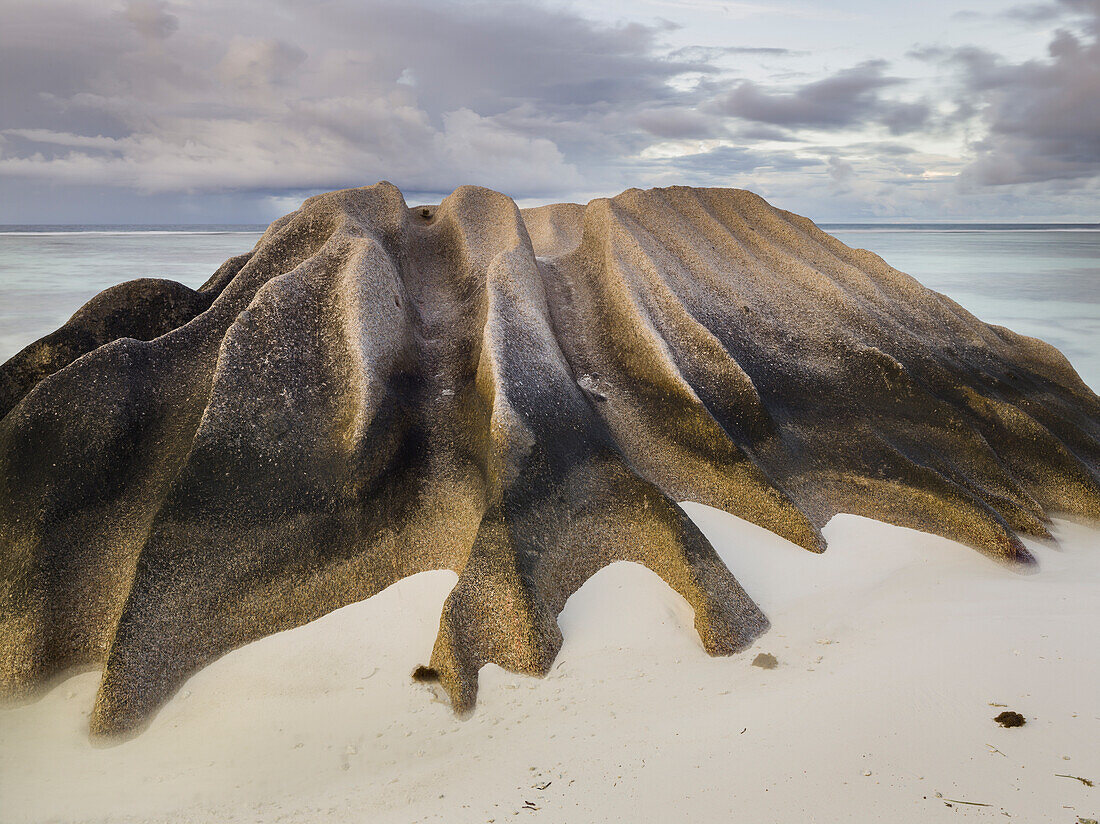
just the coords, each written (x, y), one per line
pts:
(212, 111)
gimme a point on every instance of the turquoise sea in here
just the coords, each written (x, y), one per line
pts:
(1038, 279)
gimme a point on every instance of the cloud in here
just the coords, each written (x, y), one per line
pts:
(532, 99)
(840, 170)
(1041, 118)
(848, 98)
(431, 95)
(1034, 12)
(1045, 12)
(151, 19)
(257, 102)
(719, 165)
(253, 62)
(904, 118)
(677, 122)
(53, 138)
(708, 54)
(223, 154)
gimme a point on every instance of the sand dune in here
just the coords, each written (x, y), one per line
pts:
(522, 398)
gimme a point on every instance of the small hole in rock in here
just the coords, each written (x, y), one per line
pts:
(425, 675)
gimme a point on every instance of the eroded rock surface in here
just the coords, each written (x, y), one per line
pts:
(522, 397)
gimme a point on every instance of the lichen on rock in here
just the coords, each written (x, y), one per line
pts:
(520, 396)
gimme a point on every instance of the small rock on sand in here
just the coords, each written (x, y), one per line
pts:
(765, 660)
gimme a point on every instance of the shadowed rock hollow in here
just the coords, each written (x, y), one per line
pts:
(521, 397)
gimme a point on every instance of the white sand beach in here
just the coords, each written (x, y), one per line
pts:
(896, 650)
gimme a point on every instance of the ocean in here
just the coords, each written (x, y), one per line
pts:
(1037, 279)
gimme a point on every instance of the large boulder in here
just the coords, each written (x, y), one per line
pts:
(519, 396)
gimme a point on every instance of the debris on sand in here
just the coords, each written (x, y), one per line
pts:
(950, 801)
(765, 660)
(1086, 781)
(1008, 718)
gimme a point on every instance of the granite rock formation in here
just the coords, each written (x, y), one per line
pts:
(519, 396)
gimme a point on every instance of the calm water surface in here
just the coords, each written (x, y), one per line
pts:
(45, 276)
(1042, 282)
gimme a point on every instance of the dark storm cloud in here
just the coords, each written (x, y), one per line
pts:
(848, 98)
